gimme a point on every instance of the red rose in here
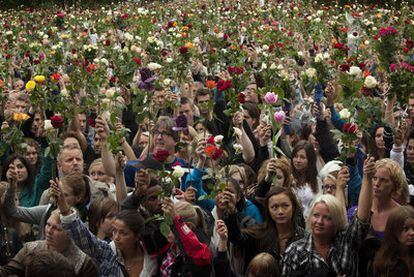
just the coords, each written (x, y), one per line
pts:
(242, 98)
(210, 140)
(222, 85)
(213, 152)
(183, 50)
(350, 128)
(137, 60)
(57, 121)
(91, 121)
(161, 155)
(217, 154)
(344, 67)
(55, 77)
(107, 42)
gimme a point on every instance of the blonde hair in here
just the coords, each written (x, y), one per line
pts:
(263, 265)
(191, 214)
(336, 210)
(397, 176)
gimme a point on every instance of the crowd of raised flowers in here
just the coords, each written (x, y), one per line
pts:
(298, 63)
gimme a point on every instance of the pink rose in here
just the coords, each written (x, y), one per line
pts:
(270, 98)
(279, 116)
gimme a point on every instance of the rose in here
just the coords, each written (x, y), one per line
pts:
(178, 171)
(270, 98)
(242, 98)
(311, 73)
(30, 86)
(222, 85)
(55, 77)
(238, 148)
(350, 128)
(344, 114)
(56, 121)
(355, 71)
(210, 140)
(279, 116)
(19, 117)
(110, 92)
(210, 84)
(48, 125)
(344, 67)
(161, 155)
(370, 82)
(218, 139)
(154, 66)
(213, 152)
(39, 79)
(183, 50)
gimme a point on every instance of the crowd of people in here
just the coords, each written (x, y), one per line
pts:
(207, 172)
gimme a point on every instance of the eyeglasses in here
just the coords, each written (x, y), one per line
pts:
(329, 187)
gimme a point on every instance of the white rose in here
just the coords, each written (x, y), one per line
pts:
(265, 47)
(273, 66)
(370, 82)
(105, 61)
(344, 114)
(218, 139)
(64, 92)
(167, 82)
(326, 55)
(168, 60)
(110, 92)
(238, 148)
(300, 53)
(48, 125)
(154, 66)
(178, 171)
(319, 58)
(238, 131)
(128, 36)
(264, 66)
(311, 73)
(355, 71)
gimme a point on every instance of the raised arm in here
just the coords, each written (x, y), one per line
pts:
(365, 196)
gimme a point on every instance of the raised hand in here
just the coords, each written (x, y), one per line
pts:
(142, 182)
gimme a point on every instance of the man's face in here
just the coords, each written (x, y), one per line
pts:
(71, 161)
(152, 202)
(97, 143)
(37, 124)
(251, 95)
(82, 122)
(187, 110)
(56, 238)
(163, 140)
(143, 141)
(202, 104)
(159, 99)
(20, 106)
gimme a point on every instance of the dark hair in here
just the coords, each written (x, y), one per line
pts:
(266, 233)
(132, 219)
(201, 92)
(254, 112)
(185, 100)
(99, 209)
(391, 249)
(311, 173)
(32, 143)
(78, 183)
(30, 178)
(48, 263)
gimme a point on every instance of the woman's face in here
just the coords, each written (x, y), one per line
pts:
(97, 173)
(31, 155)
(407, 234)
(300, 160)
(321, 221)
(20, 169)
(69, 196)
(379, 138)
(123, 237)
(240, 176)
(280, 178)
(280, 208)
(250, 120)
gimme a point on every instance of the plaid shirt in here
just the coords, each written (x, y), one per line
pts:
(97, 249)
(301, 259)
(167, 263)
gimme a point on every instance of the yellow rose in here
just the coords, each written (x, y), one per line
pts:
(189, 45)
(39, 78)
(19, 117)
(30, 85)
